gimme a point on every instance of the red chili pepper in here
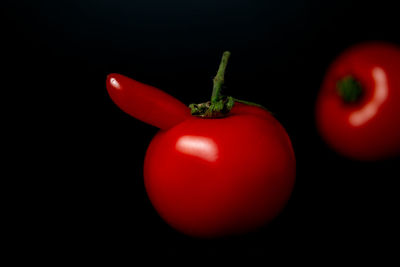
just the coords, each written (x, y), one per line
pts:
(145, 102)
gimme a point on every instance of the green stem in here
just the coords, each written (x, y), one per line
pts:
(349, 89)
(219, 78)
(248, 103)
(219, 105)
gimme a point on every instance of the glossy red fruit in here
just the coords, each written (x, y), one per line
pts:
(358, 107)
(229, 173)
(216, 177)
(146, 102)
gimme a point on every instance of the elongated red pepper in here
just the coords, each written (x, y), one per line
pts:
(146, 102)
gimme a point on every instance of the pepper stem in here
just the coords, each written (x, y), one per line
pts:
(219, 78)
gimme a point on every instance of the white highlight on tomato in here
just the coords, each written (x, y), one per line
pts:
(366, 113)
(198, 146)
(115, 83)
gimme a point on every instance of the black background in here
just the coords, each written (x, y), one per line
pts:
(87, 155)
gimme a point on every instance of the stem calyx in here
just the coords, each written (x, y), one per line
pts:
(219, 105)
(349, 89)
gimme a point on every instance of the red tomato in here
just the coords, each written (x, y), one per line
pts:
(358, 107)
(209, 177)
(215, 177)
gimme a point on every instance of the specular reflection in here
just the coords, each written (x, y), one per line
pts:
(366, 113)
(115, 83)
(198, 146)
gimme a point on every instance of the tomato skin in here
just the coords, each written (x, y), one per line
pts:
(216, 177)
(146, 102)
(370, 128)
(243, 109)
